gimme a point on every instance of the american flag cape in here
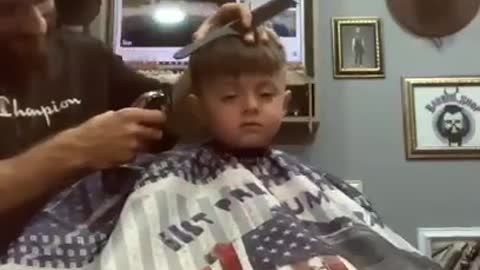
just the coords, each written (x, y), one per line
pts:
(203, 209)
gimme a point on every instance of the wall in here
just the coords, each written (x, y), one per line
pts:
(99, 26)
(361, 130)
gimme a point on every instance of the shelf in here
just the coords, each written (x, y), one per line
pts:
(171, 75)
(311, 123)
(298, 77)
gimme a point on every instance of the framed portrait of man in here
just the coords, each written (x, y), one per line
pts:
(357, 47)
(442, 117)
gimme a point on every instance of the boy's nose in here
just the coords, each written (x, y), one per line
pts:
(251, 103)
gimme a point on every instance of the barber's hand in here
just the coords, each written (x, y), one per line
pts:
(116, 137)
(230, 12)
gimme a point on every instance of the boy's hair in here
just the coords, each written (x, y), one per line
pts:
(231, 56)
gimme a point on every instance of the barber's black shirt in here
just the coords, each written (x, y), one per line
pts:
(84, 79)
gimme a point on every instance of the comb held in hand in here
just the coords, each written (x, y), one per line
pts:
(259, 15)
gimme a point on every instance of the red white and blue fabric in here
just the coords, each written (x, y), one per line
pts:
(201, 209)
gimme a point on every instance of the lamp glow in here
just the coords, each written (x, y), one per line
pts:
(169, 15)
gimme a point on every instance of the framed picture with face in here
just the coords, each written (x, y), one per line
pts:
(357, 47)
(452, 248)
(442, 117)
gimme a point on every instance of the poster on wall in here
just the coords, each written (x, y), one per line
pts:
(442, 117)
(357, 47)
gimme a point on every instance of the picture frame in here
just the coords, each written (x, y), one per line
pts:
(454, 248)
(441, 117)
(357, 48)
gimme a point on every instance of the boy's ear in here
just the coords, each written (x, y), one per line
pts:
(286, 101)
(196, 109)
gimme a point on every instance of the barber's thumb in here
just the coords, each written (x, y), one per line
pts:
(249, 36)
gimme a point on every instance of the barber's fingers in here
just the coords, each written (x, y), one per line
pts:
(249, 36)
(227, 13)
(264, 37)
(203, 30)
(148, 133)
(232, 11)
(139, 103)
(263, 34)
(245, 15)
(266, 33)
(144, 116)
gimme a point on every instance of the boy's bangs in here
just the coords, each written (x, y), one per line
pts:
(233, 57)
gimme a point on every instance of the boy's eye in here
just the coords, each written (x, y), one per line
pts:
(266, 95)
(228, 97)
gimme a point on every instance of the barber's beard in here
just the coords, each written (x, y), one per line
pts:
(22, 57)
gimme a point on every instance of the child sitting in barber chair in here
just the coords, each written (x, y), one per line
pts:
(237, 203)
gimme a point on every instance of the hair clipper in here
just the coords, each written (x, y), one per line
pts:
(159, 100)
(112, 179)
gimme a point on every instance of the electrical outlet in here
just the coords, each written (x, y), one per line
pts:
(358, 184)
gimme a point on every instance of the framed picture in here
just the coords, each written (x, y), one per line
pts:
(442, 117)
(452, 248)
(357, 47)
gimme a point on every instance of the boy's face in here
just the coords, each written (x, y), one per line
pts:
(244, 111)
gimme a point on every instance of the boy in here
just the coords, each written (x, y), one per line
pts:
(235, 203)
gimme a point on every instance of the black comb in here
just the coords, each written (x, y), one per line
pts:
(259, 15)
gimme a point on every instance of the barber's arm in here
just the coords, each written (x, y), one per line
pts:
(104, 141)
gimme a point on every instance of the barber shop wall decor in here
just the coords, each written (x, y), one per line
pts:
(433, 18)
(442, 117)
(452, 248)
(357, 47)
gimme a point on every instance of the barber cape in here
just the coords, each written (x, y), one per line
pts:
(203, 208)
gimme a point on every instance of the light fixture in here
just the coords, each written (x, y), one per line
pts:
(170, 14)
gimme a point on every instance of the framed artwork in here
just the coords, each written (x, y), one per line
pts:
(442, 117)
(357, 47)
(452, 248)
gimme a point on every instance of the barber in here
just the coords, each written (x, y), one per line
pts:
(64, 107)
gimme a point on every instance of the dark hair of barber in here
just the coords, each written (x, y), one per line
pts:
(77, 12)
